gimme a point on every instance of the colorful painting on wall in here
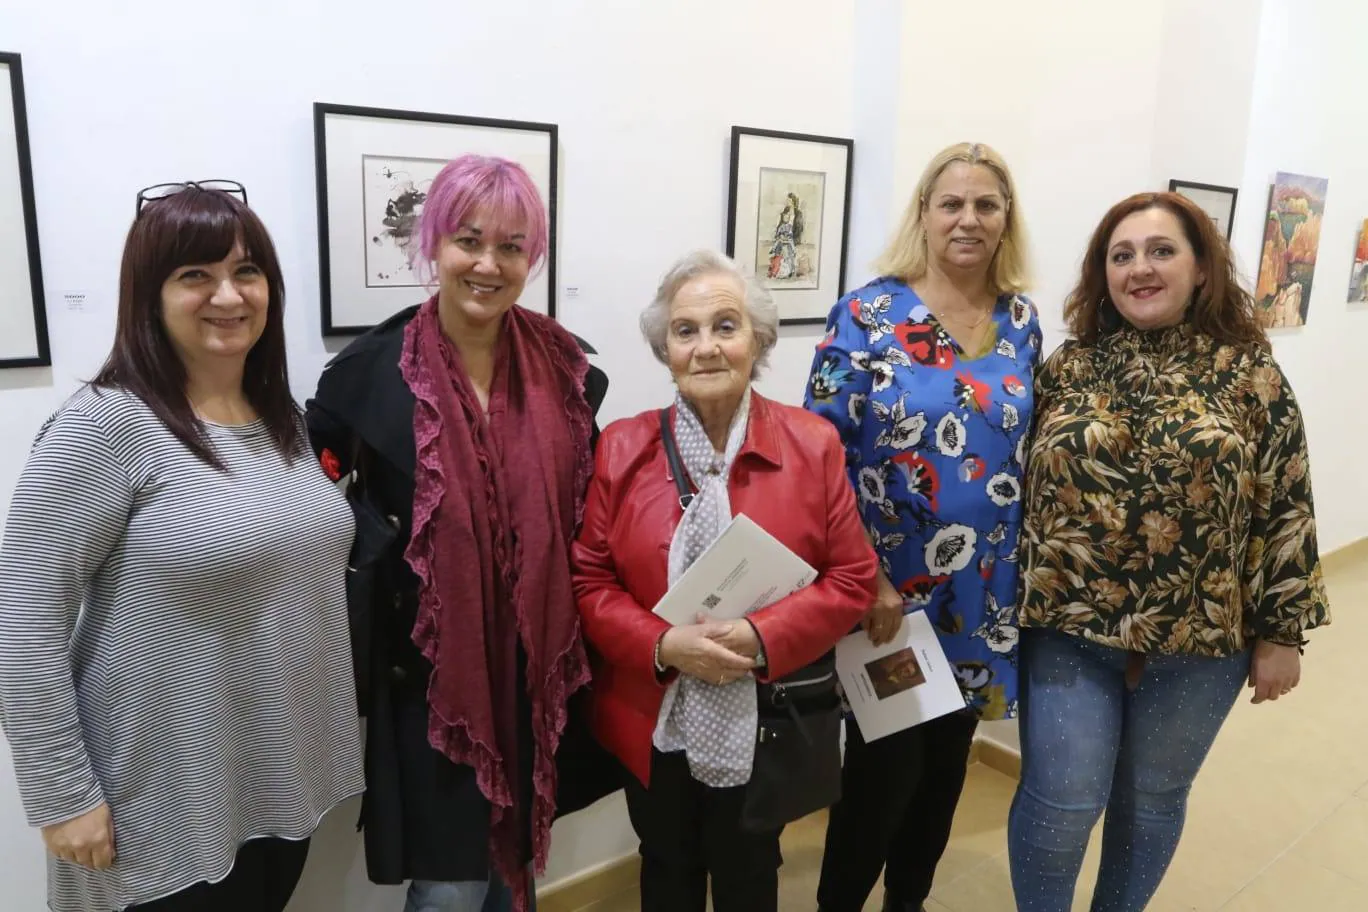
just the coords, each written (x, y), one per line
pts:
(1358, 279)
(1291, 239)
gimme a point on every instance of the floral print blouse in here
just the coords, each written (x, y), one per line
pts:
(935, 439)
(1168, 498)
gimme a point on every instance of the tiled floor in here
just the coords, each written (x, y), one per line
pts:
(1278, 820)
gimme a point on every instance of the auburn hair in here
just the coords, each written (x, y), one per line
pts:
(1221, 308)
(196, 226)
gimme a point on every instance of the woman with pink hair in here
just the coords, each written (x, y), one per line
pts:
(465, 426)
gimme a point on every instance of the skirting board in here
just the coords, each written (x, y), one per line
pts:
(591, 886)
(620, 875)
(1341, 559)
(1007, 760)
(998, 757)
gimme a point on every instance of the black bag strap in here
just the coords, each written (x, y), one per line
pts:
(356, 474)
(681, 477)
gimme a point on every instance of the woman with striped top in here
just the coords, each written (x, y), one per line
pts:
(174, 661)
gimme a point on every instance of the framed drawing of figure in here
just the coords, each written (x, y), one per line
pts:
(374, 167)
(788, 213)
(23, 317)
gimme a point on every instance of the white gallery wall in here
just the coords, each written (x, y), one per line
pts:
(1049, 85)
(1088, 101)
(1303, 119)
(644, 94)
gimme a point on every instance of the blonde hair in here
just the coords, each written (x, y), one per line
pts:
(906, 255)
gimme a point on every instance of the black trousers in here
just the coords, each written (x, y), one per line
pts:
(898, 797)
(690, 832)
(263, 879)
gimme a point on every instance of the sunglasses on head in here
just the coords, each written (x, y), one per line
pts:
(162, 191)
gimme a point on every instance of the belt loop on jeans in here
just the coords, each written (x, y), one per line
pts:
(1135, 667)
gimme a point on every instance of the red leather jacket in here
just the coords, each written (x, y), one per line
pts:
(790, 478)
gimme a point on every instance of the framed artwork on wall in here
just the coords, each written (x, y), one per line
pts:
(1358, 276)
(374, 167)
(1291, 241)
(788, 214)
(1217, 202)
(23, 317)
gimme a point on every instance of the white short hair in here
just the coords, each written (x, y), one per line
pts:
(759, 303)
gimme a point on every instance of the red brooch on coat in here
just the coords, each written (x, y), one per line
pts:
(332, 466)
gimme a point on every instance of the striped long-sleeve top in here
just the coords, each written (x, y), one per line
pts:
(173, 642)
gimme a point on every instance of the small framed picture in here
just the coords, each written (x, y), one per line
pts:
(1291, 245)
(1217, 202)
(374, 169)
(23, 317)
(788, 214)
(1358, 276)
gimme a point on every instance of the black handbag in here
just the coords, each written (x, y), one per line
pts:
(797, 769)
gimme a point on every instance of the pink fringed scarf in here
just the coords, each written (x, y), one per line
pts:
(496, 505)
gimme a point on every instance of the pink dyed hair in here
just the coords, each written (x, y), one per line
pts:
(473, 182)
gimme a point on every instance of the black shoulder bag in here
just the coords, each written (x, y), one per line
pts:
(797, 768)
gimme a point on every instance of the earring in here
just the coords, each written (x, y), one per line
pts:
(1107, 318)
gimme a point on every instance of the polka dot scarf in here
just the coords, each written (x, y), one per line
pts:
(714, 725)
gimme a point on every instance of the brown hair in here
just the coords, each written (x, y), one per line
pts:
(907, 257)
(1221, 308)
(196, 226)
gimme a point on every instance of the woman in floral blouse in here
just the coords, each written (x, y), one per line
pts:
(927, 374)
(1169, 551)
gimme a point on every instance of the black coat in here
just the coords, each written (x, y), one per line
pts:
(423, 816)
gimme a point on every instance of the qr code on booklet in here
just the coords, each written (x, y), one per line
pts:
(711, 602)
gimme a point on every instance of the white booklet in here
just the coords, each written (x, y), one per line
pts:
(745, 569)
(900, 684)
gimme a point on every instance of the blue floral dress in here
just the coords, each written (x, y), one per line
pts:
(936, 443)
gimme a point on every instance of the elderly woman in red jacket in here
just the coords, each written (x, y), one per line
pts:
(678, 704)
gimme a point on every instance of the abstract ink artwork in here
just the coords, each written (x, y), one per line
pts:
(788, 213)
(375, 167)
(394, 194)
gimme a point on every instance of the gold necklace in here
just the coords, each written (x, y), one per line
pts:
(975, 325)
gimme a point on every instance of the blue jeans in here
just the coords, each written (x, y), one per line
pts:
(1089, 744)
(461, 896)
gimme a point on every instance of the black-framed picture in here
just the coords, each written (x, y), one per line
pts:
(1217, 202)
(23, 317)
(374, 169)
(788, 214)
